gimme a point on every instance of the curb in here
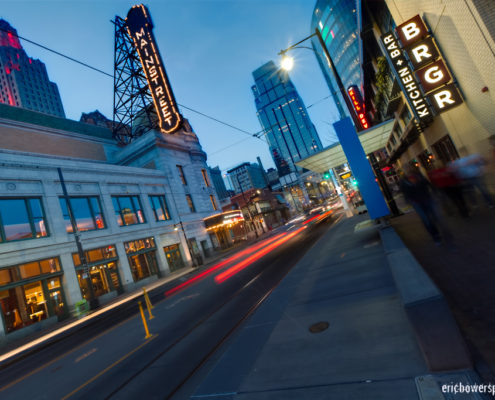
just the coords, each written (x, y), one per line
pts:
(437, 333)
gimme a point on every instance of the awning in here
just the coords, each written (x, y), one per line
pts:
(372, 139)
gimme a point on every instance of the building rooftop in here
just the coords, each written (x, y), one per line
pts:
(50, 121)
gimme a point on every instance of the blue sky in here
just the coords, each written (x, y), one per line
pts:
(209, 48)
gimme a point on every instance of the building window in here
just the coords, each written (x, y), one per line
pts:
(30, 293)
(205, 177)
(142, 258)
(128, 210)
(87, 213)
(160, 209)
(190, 203)
(181, 174)
(213, 202)
(102, 271)
(21, 219)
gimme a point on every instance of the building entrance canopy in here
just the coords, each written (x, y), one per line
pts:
(372, 139)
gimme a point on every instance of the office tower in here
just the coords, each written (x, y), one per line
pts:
(24, 82)
(337, 21)
(247, 176)
(283, 116)
(218, 183)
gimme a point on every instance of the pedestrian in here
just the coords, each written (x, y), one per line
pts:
(417, 191)
(470, 170)
(445, 180)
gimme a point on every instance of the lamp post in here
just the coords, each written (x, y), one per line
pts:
(247, 205)
(93, 301)
(287, 63)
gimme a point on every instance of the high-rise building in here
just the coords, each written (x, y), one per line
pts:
(337, 21)
(283, 116)
(218, 183)
(24, 82)
(247, 176)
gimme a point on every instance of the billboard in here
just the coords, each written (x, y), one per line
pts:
(139, 28)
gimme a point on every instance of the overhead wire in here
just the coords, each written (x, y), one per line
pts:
(256, 135)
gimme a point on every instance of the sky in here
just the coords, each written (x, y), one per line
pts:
(209, 48)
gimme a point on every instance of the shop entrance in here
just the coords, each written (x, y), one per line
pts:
(174, 257)
(103, 277)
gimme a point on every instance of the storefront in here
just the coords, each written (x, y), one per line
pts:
(174, 257)
(226, 229)
(102, 269)
(30, 293)
(141, 254)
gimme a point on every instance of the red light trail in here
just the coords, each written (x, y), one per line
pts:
(221, 264)
(222, 277)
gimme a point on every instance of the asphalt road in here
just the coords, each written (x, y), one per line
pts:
(193, 317)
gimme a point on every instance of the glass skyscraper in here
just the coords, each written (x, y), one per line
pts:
(290, 133)
(338, 22)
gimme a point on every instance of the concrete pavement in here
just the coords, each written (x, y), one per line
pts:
(335, 328)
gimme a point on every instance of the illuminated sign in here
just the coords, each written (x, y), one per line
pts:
(432, 76)
(347, 175)
(406, 79)
(431, 73)
(358, 103)
(411, 31)
(139, 27)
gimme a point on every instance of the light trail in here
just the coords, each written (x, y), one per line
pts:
(222, 277)
(221, 264)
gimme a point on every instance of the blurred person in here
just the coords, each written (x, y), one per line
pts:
(417, 191)
(470, 170)
(446, 181)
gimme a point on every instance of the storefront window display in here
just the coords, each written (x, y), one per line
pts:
(102, 269)
(142, 258)
(30, 293)
(174, 257)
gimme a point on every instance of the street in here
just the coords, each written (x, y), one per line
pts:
(110, 358)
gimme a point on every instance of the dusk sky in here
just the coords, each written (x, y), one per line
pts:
(209, 48)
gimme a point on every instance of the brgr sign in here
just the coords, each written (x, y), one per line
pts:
(139, 27)
(430, 72)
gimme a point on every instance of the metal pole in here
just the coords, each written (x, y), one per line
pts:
(348, 103)
(247, 205)
(93, 301)
(384, 186)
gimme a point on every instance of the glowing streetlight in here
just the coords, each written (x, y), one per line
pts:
(287, 63)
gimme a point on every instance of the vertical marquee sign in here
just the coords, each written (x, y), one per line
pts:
(428, 69)
(139, 27)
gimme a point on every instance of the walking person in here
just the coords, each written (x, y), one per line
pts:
(470, 170)
(417, 192)
(445, 180)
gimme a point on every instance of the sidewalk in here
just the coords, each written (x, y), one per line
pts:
(466, 276)
(335, 328)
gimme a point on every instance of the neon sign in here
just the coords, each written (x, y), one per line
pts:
(358, 103)
(139, 27)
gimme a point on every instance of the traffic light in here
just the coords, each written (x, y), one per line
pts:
(326, 175)
(354, 182)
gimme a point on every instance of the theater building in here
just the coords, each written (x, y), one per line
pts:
(129, 204)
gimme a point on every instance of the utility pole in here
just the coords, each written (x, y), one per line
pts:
(93, 301)
(247, 205)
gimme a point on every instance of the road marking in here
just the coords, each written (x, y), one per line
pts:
(35, 371)
(108, 368)
(85, 355)
(192, 296)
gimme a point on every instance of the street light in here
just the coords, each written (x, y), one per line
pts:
(357, 123)
(287, 63)
(331, 65)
